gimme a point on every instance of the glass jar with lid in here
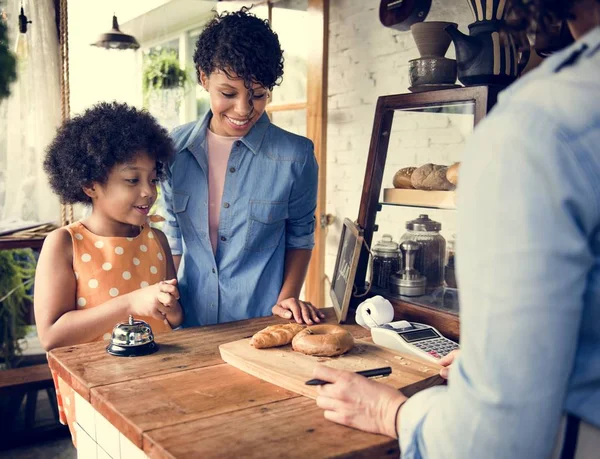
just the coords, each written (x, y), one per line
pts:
(386, 261)
(430, 259)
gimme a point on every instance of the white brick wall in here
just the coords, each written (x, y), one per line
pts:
(368, 60)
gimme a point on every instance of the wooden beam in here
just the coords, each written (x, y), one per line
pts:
(286, 107)
(316, 130)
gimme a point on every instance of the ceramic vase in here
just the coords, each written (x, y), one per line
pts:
(431, 38)
(432, 70)
(489, 54)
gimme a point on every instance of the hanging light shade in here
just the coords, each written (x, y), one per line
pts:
(115, 39)
(22, 42)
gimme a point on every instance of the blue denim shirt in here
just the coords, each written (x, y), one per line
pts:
(268, 207)
(528, 261)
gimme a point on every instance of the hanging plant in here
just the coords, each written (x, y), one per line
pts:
(17, 270)
(162, 71)
(8, 62)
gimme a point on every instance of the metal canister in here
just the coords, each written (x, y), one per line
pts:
(408, 281)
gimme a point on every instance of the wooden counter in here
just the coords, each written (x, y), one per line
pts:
(184, 401)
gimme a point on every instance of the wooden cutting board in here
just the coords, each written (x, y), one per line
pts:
(289, 369)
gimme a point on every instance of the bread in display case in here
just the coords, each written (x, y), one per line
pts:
(412, 171)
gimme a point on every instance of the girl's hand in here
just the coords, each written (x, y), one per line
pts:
(358, 402)
(156, 300)
(300, 311)
(446, 361)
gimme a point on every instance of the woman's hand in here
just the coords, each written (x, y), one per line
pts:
(300, 311)
(358, 402)
(157, 300)
(446, 361)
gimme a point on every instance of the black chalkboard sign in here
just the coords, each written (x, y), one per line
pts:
(342, 282)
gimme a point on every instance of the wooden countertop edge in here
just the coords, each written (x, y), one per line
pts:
(73, 381)
(110, 412)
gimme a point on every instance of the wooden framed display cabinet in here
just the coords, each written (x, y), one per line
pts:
(412, 130)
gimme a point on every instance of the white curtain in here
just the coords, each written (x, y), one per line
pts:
(29, 118)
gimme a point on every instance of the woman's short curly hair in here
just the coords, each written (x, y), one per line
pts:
(88, 146)
(242, 44)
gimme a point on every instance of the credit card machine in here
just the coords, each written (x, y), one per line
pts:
(414, 338)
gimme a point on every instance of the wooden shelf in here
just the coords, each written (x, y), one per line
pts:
(447, 323)
(416, 309)
(419, 198)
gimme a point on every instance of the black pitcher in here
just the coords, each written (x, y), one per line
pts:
(489, 54)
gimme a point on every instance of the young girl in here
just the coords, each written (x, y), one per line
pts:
(241, 192)
(94, 273)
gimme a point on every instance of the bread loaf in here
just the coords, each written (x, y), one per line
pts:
(402, 178)
(452, 173)
(431, 177)
(275, 335)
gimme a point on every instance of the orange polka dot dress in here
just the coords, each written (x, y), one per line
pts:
(106, 267)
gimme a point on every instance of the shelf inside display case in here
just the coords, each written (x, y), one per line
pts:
(443, 299)
(439, 309)
(419, 198)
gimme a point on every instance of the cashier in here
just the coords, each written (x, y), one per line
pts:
(527, 381)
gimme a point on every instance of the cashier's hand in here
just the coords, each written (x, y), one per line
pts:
(300, 311)
(358, 402)
(158, 300)
(446, 361)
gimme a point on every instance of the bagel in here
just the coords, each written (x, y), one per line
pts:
(275, 335)
(323, 341)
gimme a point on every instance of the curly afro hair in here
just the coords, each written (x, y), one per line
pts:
(88, 146)
(242, 44)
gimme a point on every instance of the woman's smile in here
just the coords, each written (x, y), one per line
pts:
(241, 124)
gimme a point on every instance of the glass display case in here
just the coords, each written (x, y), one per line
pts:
(423, 132)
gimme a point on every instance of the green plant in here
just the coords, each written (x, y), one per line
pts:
(162, 71)
(17, 270)
(8, 62)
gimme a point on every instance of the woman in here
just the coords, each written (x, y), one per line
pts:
(241, 192)
(527, 380)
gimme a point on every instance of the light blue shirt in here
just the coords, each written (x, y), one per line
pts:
(268, 207)
(528, 260)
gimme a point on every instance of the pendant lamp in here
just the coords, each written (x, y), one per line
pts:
(115, 39)
(22, 44)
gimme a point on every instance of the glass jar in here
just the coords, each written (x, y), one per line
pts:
(430, 259)
(386, 261)
(449, 275)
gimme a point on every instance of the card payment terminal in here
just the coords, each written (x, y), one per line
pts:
(415, 338)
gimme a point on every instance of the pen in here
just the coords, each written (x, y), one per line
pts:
(385, 371)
